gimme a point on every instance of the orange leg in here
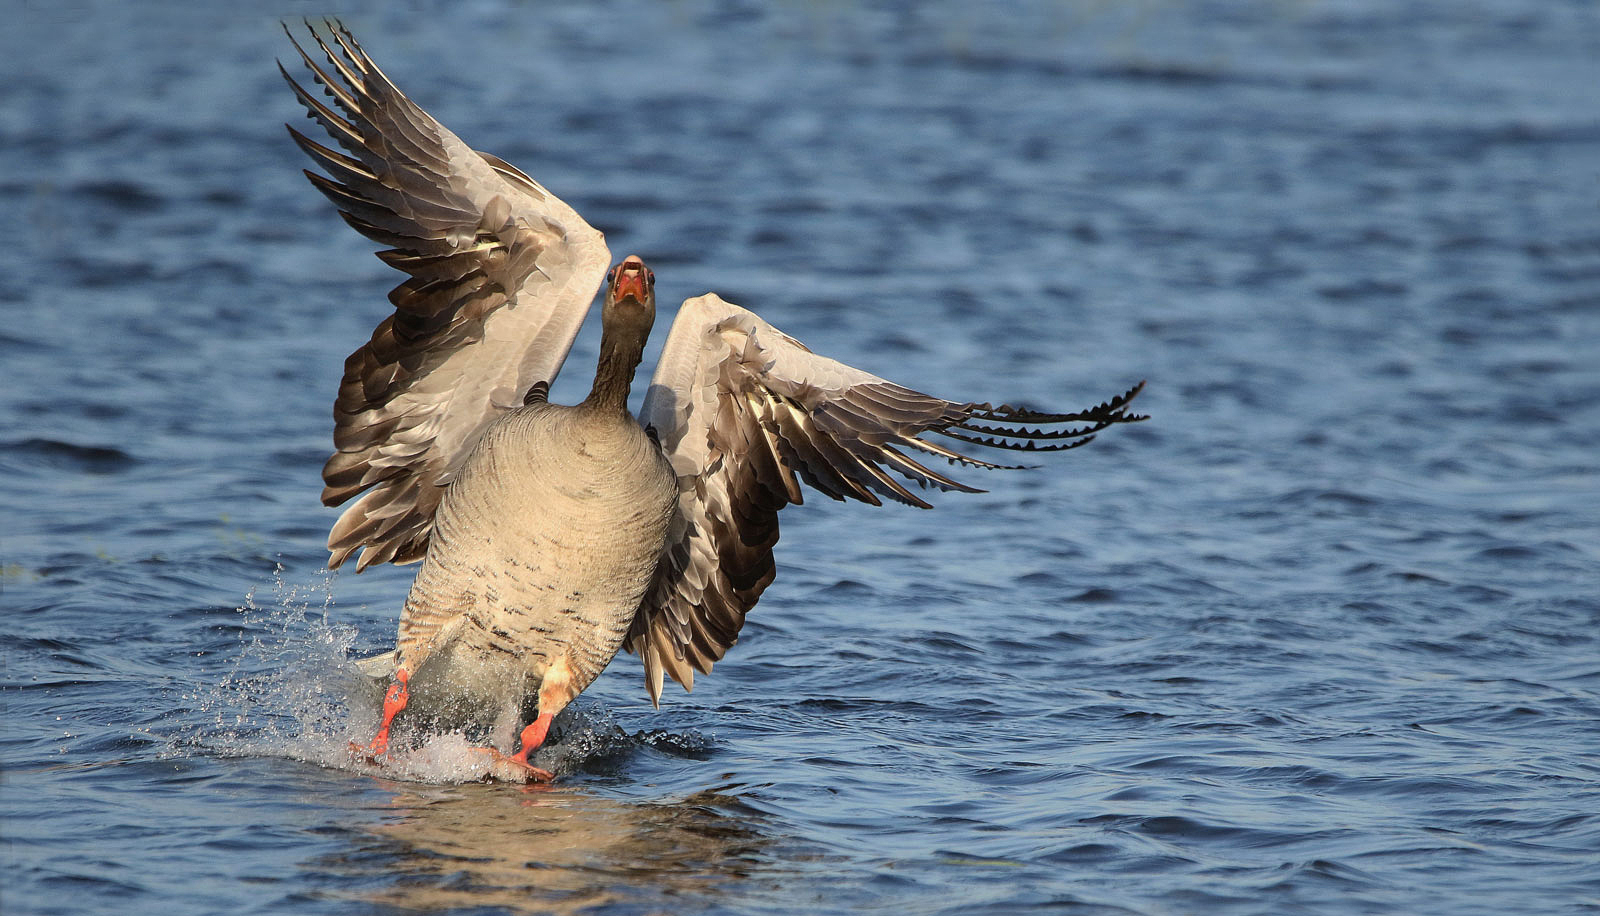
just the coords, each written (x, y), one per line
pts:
(555, 692)
(394, 701)
(532, 737)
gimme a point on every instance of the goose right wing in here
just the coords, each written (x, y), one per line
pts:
(501, 276)
(745, 413)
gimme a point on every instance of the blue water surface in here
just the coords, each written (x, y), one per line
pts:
(1320, 637)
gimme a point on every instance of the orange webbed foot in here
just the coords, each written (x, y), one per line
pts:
(510, 769)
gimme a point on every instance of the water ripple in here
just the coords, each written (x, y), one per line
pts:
(1320, 638)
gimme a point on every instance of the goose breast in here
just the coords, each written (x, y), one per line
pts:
(543, 547)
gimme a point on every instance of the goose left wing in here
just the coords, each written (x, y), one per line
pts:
(745, 413)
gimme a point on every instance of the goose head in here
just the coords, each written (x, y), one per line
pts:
(630, 304)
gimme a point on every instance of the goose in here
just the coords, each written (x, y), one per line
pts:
(552, 537)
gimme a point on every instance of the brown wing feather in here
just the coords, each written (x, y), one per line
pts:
(476, 236)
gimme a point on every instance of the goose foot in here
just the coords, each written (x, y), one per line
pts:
(516, 768)
(512, 769)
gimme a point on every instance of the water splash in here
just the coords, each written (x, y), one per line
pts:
(293, 690)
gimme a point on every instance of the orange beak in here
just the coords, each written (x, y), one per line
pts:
(629, 284)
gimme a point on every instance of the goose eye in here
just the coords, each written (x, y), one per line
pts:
(650, 276)
(611, 275)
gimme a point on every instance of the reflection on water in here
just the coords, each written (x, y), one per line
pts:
(548, 849)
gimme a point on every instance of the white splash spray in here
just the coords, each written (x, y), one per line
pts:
(293, 690)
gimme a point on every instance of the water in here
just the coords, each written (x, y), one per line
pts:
(1318, 638)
